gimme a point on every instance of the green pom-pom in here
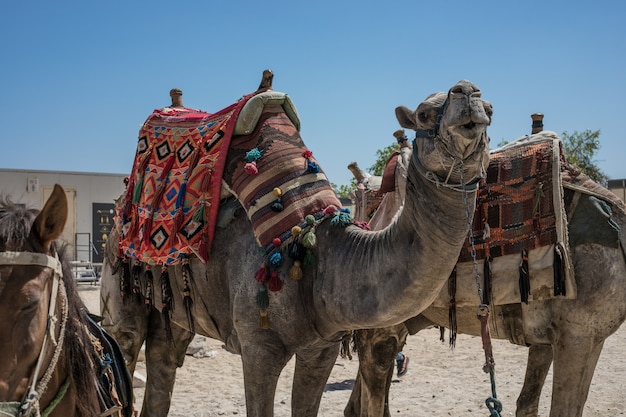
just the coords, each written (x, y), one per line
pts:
(309, 219)
(341, 219)
(309, 259)
(309, 240)
(262, 297)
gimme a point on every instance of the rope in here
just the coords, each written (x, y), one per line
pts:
(493, 404)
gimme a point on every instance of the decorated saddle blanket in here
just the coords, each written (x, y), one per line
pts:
(519, 244)
(183, 158)
(172, 198)
(276, 178)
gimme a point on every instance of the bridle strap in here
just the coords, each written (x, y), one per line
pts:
(41, 259)
(443, 182)
(32, 258)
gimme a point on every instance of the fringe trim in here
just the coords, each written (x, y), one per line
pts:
(452, 324)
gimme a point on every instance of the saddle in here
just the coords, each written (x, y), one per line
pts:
(115, 391)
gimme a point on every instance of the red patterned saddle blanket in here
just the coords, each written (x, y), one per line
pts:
(172, 199)
(169, 211)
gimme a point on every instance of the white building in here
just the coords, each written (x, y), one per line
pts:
(618, 187)
(91, 201)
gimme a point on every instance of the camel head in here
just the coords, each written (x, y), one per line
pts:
(451, 143)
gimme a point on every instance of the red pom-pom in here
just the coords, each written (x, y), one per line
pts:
(307, 154)
(330, 210)
(262, 275)
(275, 283)
(251, 168)
(276, 242)
(363, 225)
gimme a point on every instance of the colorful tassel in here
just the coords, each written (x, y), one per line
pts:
(262, 275)
(264, 320)
(295, 272)
(309, 219)
(309, 240)
(296, 251)
(198, 215)
(275, 283)
(263, 298)
(309, 259)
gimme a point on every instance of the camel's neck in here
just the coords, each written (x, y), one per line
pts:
(391, 275)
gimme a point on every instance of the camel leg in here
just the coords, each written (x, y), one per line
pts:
(364, 402)
(537, 367)
(263, 357)
(575, 360)
(309, 380)
(162, 359)
(125, 320)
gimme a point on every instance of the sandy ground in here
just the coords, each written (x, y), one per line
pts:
(440, 381)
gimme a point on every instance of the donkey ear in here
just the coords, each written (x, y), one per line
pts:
(51, 220)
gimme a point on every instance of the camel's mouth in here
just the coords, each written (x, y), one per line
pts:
(470, 130)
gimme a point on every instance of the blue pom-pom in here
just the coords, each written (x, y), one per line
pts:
(253, 154)
(275, 259)
(312, 167)
(341, 219)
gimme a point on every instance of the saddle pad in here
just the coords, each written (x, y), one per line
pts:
(283, 163)
(519, 209)
(171, 203)
(519, 205)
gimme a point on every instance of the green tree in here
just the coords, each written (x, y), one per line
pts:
(580, 148)
(382, 156)
(343, 190)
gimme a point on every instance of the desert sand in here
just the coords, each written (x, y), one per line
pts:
(440, 381)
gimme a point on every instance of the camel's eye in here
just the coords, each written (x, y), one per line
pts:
(422, 117)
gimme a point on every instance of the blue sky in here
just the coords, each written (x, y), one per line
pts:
(79, 78)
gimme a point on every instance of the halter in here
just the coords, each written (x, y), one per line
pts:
(35, 390)
(431, 176)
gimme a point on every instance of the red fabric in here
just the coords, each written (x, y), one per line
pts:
(171, 204)
(388, 183)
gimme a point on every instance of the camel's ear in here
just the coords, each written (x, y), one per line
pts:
(406, 117)
(51, 220)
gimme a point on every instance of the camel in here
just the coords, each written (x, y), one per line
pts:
(566, 333)
(394, 273)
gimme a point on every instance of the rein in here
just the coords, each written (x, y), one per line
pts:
(36, 389)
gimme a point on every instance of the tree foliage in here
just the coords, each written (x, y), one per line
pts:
(382, 156)
(580, 149)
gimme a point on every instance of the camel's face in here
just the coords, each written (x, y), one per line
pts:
(451, 132)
